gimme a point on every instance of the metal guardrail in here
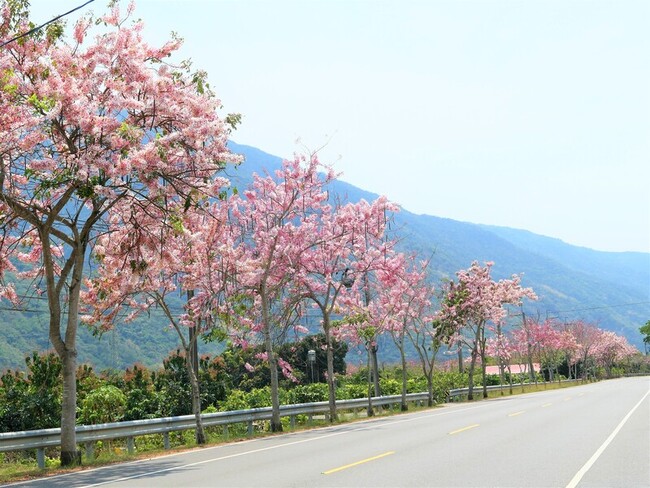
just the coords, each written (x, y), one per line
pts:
(461, 392)
(89, 434)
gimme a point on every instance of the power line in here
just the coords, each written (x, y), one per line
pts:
(31, 31)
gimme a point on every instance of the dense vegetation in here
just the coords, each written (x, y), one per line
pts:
(31, 399)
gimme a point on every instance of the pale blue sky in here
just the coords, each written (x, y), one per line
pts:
(526, 114)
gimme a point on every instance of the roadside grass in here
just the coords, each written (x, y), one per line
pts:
(21, 466)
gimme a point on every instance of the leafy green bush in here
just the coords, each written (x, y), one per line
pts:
(416, 385)
(352, 390)
(256, 398)
(32, 401)
(106, 404)
(236, 400)
(259, 397)
(141, 404)
(390, 386)
(313, 392)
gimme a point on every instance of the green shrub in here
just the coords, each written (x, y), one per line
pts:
(352, 390)
(416, 385)
(236, 400)
(314, 392)
(106, 404)
(390, 386)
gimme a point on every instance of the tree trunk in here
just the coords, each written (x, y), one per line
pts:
(375, 369)
(430, 401)
(70, 455)
(481, 342)
(470, 379)
(502, 374)
(196, 397)
(192, 365)
(510, 378)
(531, 367)
(370, 411)
(461, 366)
(276, 423)
(404, 405)
(66, 348)
(484, 374)
(331, 385)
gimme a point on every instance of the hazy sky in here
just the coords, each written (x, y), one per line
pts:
(526, 114)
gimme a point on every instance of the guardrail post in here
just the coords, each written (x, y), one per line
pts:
(90, 450)
(250, 428)
(166, 440)
(310, 419)
(292, 422)
(40, 457)
(130, 445)
(225, 431)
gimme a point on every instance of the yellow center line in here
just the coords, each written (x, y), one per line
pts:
(514, 414)
(464, 429)
(546, 405)
(358, 463)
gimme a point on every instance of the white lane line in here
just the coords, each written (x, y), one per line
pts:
(229, 456)
(592, 460)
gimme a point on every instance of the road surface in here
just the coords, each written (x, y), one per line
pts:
(595, 435)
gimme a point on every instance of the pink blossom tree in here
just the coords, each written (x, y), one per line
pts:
(610, 350)
(351, 243)
(500, 347)
(555, 345)
(279, 224)
(146, 267)
(524, 341)
(89, 129)
(586, 337)
(473, 303)
(362, 324)
(406, 294)
(369, 312)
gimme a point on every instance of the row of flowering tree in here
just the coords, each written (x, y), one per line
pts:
(474, 307)
(552, 343)
(109, 152)
(253, 263)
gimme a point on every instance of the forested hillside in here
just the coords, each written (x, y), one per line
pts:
(609, 289)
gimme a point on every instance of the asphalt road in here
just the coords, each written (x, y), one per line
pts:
(596, 435)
